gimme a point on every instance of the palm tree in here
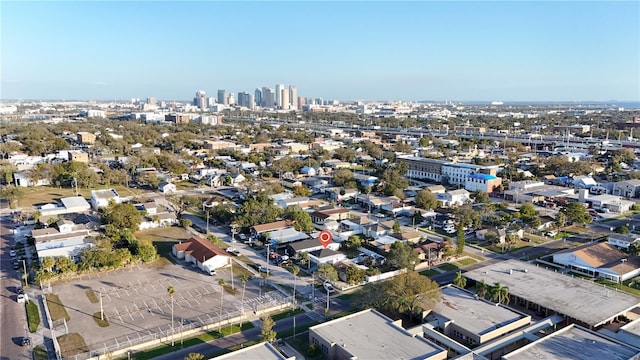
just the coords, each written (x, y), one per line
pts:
(295, 271)
(482, 288)
(244, 278)
(221, 282)
(171, 291)
(304, 258)
(500, 293)
(460, 281)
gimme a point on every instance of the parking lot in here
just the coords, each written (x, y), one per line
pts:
(138, 307)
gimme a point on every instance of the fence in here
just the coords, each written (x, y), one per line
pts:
(183, 328)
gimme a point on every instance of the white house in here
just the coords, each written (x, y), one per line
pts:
(101, 198)
(599, 260)
(454, 198)
(166, 187)
(324, 256)
(623, 240)
(67, 240)
(202, 253)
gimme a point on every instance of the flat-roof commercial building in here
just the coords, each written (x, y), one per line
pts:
(470, 320)
(370, 335)
(576, 343)
(262, 351)
(549, 292)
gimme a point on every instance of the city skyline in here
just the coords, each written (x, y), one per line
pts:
(461, 51)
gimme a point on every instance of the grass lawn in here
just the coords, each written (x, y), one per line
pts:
(91, 295)
(163, 240)
(202, 338)
(99, 319)
(56, 309)
(40, 353)
(286, 314)
(474, 256)
(447, 267)
(464, 262)
(72, 344)
(429, 272)
(33, 316)
(347, 296)
(575, 229)
(519, 245)
(46, 194)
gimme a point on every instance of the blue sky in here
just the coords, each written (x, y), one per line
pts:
(509, 51)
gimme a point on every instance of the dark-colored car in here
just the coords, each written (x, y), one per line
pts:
(19, 290)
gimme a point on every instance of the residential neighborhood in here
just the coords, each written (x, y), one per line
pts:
(477, 242)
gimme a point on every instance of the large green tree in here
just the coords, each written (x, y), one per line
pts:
(327, 272)
(402, 256)
(426, 200)
(576, 212)
(257, 210)
(301, 219)
(267, 333)
(120, 217)
(408, 293)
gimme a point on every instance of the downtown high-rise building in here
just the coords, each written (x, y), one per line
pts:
(222, 97)
(258, 96)
(279, 89)
(245, 99)
(268, 97)
(200, 100)
(293, 97)
(286, 104)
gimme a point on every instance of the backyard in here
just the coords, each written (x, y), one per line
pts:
(46, 194)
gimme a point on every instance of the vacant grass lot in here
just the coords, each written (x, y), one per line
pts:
(56, 308)
(46, 194)
(163, 240)
(72, 344)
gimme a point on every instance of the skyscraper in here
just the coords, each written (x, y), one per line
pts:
(279, 89)
(200, 100)
(258, 96)
(222, 97)
(286, 105)
(268, 97)
(293, 97)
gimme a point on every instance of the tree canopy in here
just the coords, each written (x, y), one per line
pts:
(301, 219)
(426, 199)
(120, 217)
(402, 256)
(576, 212)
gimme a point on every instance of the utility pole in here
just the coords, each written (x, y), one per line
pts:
(101, 310)
(24, 266)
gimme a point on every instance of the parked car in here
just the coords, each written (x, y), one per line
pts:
(233, 251)
(551, 233)
(16, 265)
(22, 298)
(263, 269)
(25, 341)
(19, 290)
(328, 287)
(212, 272)
(12, 253)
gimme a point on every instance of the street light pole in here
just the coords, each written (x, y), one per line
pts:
(24, 266)
(101, 310)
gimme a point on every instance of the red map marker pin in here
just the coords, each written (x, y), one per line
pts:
(325, 238)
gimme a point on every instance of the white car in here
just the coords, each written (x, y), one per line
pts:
(327, 286)
(22, 298)
(263, 269)
(12, 253)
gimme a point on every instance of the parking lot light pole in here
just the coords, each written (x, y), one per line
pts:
(101, 310)
(24, 266)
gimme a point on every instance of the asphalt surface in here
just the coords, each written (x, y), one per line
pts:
(12, 314)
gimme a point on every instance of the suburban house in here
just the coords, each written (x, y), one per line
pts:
(376, 230)
(203, 253)
(309, 245)
(66, 205)
(599, 260)
(322, 218)
(324, 256)
(68, 239)
(166, 187)
(623, 240)
(23, 179)
(286, 235)
(269, 227)
(101, 198)
(454, 198)
(409, 236)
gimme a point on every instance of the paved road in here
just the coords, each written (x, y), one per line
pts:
(214, 346)
(13, 315)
